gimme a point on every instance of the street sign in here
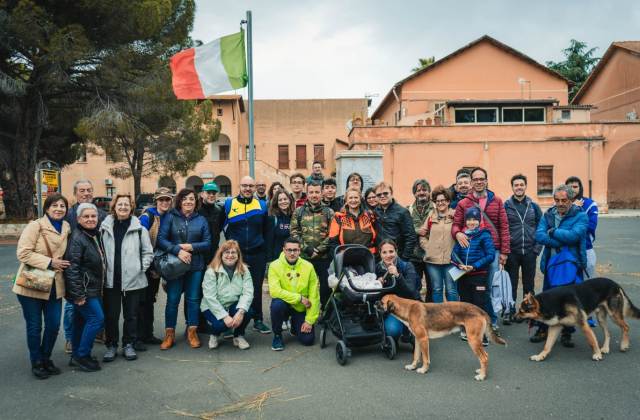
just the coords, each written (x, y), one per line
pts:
(47, 182)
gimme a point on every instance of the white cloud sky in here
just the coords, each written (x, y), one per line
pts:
(340, 49)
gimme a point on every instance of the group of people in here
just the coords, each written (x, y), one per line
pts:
(103, 264)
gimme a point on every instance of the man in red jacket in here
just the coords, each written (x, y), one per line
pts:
(493, 217)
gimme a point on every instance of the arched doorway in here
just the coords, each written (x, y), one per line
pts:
(224, 184)
(221, 149)
(167, 182)
(195, 183)
(623, 189)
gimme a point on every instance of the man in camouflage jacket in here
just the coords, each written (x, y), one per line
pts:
(419, 211)
(310, 225)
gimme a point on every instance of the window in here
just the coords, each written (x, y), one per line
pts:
(219, 112)
(512, 115)
(246, 152)
(301, 156)
(318, 153)
(438, 109)
(566, 114)
(545, 180)
(114, 156)
(224, 152)
(476, 115)
(111, 191)
(534, 115)
(283, 157)
(82, 156)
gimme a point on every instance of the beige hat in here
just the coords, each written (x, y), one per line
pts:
(162, 192)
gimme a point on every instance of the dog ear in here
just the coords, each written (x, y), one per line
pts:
(390, 306)
(528, 297)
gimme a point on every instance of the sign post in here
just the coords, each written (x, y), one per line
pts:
(47, 182)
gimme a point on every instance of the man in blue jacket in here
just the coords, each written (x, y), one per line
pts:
(523, 216)
(590, 207)
(245, 220)
(565, 224)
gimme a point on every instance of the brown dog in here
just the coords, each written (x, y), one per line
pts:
(435, 320)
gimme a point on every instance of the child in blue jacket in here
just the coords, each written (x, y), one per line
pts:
(475, 259)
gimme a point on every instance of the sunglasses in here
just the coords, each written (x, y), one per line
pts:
(383, 194)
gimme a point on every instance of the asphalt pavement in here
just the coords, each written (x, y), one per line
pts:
(307, 383)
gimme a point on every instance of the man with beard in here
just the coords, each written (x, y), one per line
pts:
(419, 211)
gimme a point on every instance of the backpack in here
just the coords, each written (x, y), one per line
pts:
(563, 269)
(502, 293)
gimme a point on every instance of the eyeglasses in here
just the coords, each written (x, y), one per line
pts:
(441, 201)
(163, 199)
(383, 194)
(478, 179)
(297, 183)
(292, 250)
(247, 185)
(371, 197)
(230, 252)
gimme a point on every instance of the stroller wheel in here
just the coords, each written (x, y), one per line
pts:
(389, 347)
(342, 353)
(323, 338)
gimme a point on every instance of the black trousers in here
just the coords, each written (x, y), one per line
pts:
(257, 261)
(526, 263)
(473, 289)
(322, 271)
(129, 301)
(145, 309)
(421, 270)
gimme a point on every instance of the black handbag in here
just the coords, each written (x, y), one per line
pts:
(168, 265)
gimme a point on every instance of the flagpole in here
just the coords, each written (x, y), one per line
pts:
(250, 89)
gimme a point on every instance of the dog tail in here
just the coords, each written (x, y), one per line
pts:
(491, 333)
(629, 309)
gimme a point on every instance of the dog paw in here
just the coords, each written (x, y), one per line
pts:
(422, 370)
(480, 377)
(624, 347)
(410, 367)
(597, 356)
(537, 358)
(604, 350)
(478, 370)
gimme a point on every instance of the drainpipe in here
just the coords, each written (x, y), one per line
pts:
(589, 147)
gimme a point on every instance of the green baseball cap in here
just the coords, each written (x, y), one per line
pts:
(210, 186)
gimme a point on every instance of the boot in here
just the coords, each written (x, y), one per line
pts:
(169, 339)
(192, 337)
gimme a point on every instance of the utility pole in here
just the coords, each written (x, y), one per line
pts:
(251, 156)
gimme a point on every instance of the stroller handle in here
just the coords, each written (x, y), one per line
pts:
(342, 248)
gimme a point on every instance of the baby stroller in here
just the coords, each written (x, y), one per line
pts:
(350, 313)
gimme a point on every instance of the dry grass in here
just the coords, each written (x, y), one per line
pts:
(252, 403)
(285, 361)
(201, 361)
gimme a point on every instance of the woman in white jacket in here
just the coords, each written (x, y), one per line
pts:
(128, 254)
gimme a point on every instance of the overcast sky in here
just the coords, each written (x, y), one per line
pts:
(349, 48)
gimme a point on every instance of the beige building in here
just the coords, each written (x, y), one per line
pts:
(289, 136)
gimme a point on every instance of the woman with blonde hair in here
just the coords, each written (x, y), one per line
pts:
(227, 295)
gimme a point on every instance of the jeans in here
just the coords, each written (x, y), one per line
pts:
(217, 326)
(440, 278)
(191, 285)
(321, 268)
(145, 310)
(41, 344)
(88, 321)
(129, 301)
(527, 263)
(257, 262)
(68, 320)
(393, 327)
(591, 263)
(280, 312)
(493, 268)
(421, 272)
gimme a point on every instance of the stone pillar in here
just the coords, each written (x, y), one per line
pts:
(367, 163)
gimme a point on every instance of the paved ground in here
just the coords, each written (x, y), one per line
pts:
(307, 383)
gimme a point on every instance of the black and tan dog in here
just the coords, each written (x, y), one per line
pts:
(435, 320)
(570, 306)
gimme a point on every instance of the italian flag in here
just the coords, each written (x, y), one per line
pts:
(211, 68)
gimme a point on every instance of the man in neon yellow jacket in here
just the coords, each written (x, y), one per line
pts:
(293, 285)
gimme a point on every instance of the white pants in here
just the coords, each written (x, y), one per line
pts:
(591, 263)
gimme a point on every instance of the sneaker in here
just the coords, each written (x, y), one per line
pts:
(152, 340)
(67, 347)
(463, 335)
(285, 325)
(110, 355)
(85, 363)
(39, 371)
(277, 344)
(565, 340)
(51, 368)
(496, 329)
(539, 336)
(506, 319)
(260, 326)
(485, 341)
(228, 333)
(129, 352)
(592, 322)
(213, 342)
(240, 342)
(140, 346)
